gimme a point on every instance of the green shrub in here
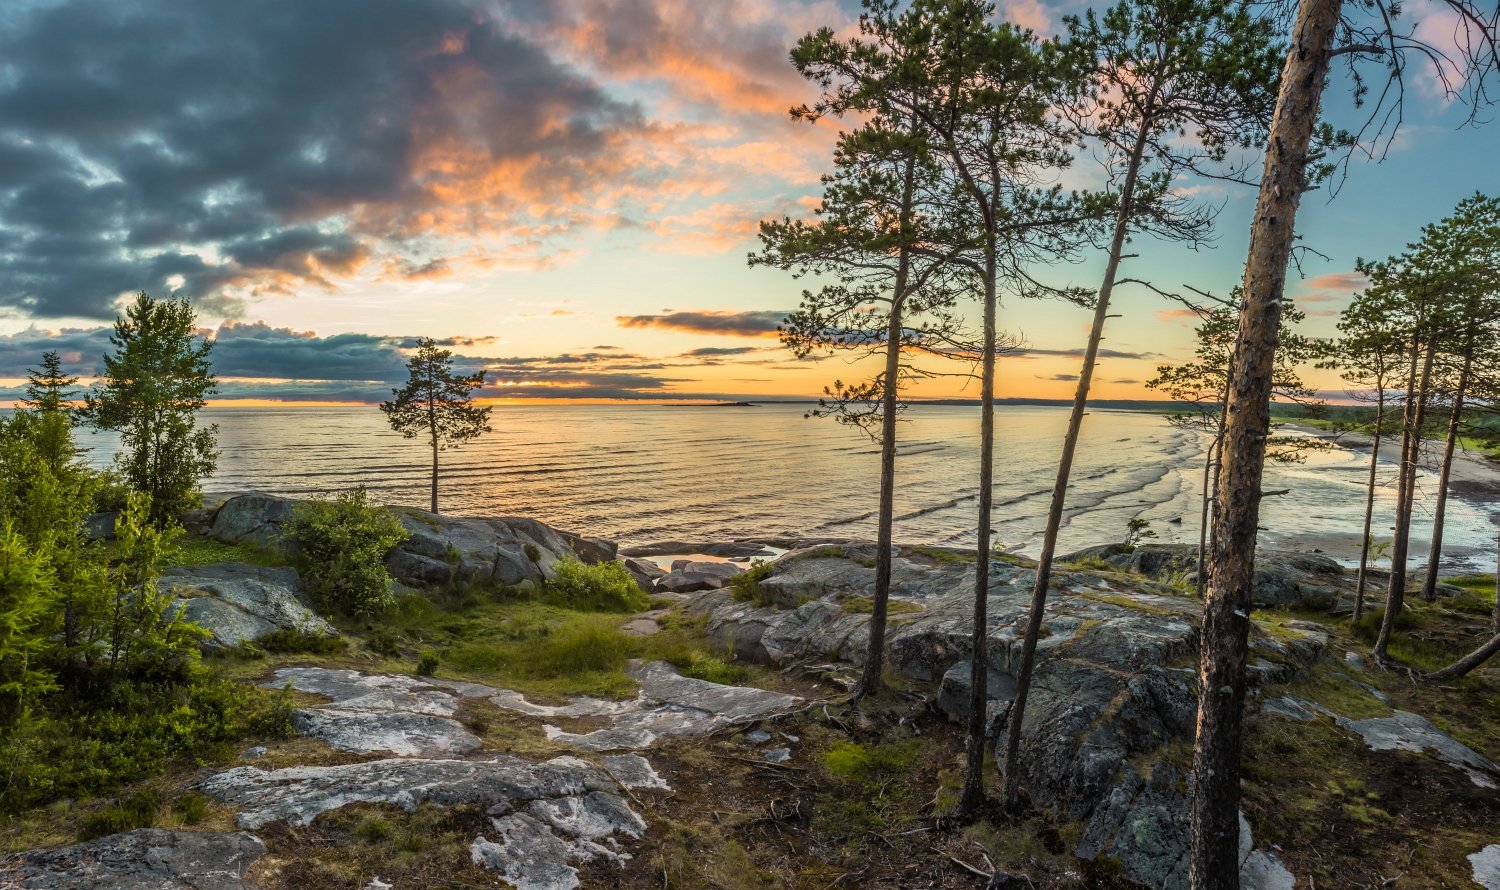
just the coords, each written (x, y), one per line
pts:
(342, 548)
(130, 812)
(296, 642)
(190, 808)
(746, 585)
(427, 665)
(605, 587)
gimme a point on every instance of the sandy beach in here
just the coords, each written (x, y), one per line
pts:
(1474, 478)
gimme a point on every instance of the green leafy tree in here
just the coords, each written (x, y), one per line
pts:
(147, 638)
(153, 387)
(342, 545)
(437, 403)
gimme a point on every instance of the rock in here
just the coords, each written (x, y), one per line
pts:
(1113, 685)
(1485, 863)
(591, 550)
(1260, 870)
(634, 771)
(446, 549)
(100, 526)
(1282, 577)
(259, 519)
(668, 704)
(644, 571)
(144, 859)
(778, 755)
(688, 576)
(257, 751)
(643, 625)
(735, 549)
(236, 602)
(406, 716)
(534, 849)
(297, 795)
(1405, 731)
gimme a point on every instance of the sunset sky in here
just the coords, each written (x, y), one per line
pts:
(563, 190)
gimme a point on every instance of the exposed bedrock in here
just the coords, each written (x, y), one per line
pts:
(1114, 685)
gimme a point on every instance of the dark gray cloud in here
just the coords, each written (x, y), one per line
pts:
(1061, 377)
(255, 360)
(708, 351)
(238, 148)
(708, 321)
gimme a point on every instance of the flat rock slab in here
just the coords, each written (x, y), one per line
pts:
(1486, 864)
(546, 817)
(406, 716)
(668, 704)
(1405, 731)
(634, 771)
(299, 794)
(145, 859)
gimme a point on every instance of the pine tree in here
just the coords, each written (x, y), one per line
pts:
(437, 402)
(154, 384)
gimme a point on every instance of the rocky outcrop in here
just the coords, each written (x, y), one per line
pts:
(1282, 577)
(1114, 682)
(439, 550)
(405, 716)
(145, 859)
(690, 575)
(445, 549)
(238, 603)
(668, 704)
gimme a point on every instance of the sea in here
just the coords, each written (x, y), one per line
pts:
(647, 473)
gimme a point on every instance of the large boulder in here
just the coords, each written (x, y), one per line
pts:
(144, 859)
(238, 603)
(689, 575)
(1113, 686)
(259, 519)
(447, 549)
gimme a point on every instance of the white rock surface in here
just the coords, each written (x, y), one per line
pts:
(405, 716)
(668, 704)
(1486, 864)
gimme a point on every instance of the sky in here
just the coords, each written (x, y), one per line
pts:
(563, 192)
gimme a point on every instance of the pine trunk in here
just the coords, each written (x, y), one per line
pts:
(1468, 662)
(434, 473)
(1214, 857)
(1011, 763)
(1364, 547)
(1395, 599)
(871, 679)
(1440, 508)
(973, 793)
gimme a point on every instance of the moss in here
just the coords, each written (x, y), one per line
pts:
(863, 605)
(195, 550)
(1126, 601)
(944, 555)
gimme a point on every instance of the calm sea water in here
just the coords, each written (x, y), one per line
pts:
(646, 473)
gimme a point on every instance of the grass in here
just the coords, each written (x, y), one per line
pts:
(940, 554)
(193, 550)
(863, 605)
(745, 586)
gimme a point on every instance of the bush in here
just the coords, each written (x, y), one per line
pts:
(605, 587)
(295, 642)
(342, 548)
(427, 665)
(745, 586)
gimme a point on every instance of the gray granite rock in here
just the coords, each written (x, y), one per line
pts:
(144, 859)
(236, 602)
(668, 704)
(634, 771)
(405, 716)
(1486, 867)
(689, 575)
(297, 795)
(259, 519)
(1113, 686)
(443, 549)
(1405, 731)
